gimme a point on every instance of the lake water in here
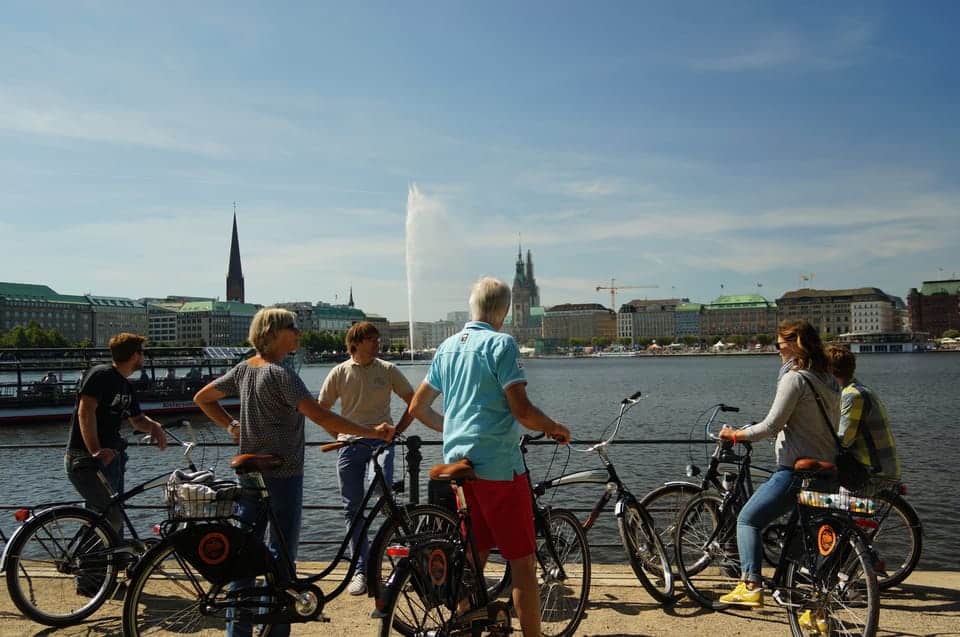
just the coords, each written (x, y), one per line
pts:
(920, 391)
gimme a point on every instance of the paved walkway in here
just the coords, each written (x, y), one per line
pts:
(928, 604)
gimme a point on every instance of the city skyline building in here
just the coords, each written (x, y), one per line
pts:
(235, 291)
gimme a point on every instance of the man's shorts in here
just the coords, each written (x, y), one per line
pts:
(501, 512)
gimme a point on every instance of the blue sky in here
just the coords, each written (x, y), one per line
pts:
(684, 145)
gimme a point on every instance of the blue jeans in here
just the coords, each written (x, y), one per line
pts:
(772, 499)
(82, 469)
(286, 499)
(353, 467)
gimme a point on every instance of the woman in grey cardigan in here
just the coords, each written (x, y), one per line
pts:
(798, 423)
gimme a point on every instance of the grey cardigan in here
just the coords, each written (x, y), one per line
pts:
(796, 419)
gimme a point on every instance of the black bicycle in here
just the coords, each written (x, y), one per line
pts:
(64, 561)
(638, 532)
(894, 530)
(435, 590)
(824, 576)
(210, 568)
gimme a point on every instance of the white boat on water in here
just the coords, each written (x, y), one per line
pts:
(40, 385)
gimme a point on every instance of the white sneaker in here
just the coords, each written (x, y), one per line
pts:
(358, 585)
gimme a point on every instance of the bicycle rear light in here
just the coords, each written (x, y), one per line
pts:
(398, 550)
(867, 524)
(156, 529)
(903, 489)
(20, 515)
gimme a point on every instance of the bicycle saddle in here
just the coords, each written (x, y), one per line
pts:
(812, 465)
(461, 470)
(248, 462)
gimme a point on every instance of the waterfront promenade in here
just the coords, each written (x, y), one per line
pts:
(927, 605)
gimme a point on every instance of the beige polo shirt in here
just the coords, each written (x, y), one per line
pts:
(364, 390)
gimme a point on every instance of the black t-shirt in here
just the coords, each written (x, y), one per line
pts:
(115, 403)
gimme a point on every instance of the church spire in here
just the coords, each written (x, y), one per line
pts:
(234, 270)
(350, 302)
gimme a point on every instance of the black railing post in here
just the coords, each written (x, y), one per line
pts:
(413, 467)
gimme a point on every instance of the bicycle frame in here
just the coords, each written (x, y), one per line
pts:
(134, 549)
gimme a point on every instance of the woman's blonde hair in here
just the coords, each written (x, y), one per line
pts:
(266, 325)
(805, 341)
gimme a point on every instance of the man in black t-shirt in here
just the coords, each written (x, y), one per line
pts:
(105, 399)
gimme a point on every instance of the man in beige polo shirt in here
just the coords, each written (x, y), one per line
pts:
(363, 385)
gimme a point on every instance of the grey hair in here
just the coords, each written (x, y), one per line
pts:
(489, 300)
(265, 326)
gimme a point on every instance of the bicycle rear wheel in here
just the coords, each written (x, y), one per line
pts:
(563, 600)
(897, 541)
(841, 594)
(168, 596)
(409, 613)
(425, 519)
(61, 567)
(706, 547)
(645, 552)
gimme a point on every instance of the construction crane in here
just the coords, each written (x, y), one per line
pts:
(613, 287)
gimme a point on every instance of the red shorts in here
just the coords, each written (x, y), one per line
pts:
(501, 512)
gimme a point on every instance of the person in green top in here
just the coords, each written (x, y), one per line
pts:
(864, 425)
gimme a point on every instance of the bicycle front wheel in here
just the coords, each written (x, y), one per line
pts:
(564, 580)
(168, 596)
(664, 504)
(840, 597)
(706, 547)
(424, 520)
(897, 540)
(648, 559)
(61, 567)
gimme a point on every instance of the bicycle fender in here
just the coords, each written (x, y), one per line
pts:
(19, 530)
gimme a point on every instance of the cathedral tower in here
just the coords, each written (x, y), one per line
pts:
(234, 271)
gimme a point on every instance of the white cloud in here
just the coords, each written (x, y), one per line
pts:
(789, 47)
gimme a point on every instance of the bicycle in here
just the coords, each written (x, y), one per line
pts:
(62, 564)
(825, 569)
(638, 532)
(185, 582)
(435, 590)
(895, 531)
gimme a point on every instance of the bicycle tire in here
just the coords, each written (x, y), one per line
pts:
(645, 551)
(848, 605)
(426, 518)
(563, 602)
(898, 540)
(706, 557)
(664, 504)
(50, 588)
(405, 612)
(166, 594)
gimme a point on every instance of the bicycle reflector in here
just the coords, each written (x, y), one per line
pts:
(20, 515)
(156, 529)
(867, 524)
(398, 550)
(903, 489)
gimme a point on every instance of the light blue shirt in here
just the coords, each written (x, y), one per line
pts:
(473, 369)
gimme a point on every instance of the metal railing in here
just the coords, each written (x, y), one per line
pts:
(411, 485)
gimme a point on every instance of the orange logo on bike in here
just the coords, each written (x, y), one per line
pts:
(826, 540)
(213, 549)
(437, 566)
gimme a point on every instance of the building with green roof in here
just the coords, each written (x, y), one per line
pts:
(935, 307)
(114, 314)
(215, 323)
(739, 314)
(21, 303)
(688, 318)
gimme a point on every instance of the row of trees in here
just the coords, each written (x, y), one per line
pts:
(32, 335)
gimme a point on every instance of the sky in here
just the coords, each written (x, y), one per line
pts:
(703, 148)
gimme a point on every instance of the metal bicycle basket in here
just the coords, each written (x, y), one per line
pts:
(200, 500)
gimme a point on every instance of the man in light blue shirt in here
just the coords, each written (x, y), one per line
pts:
(484, 389)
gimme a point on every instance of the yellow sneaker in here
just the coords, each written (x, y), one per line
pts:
(743, 596)
(816, 626)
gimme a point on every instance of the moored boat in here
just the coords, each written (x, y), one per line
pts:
(40, 385)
